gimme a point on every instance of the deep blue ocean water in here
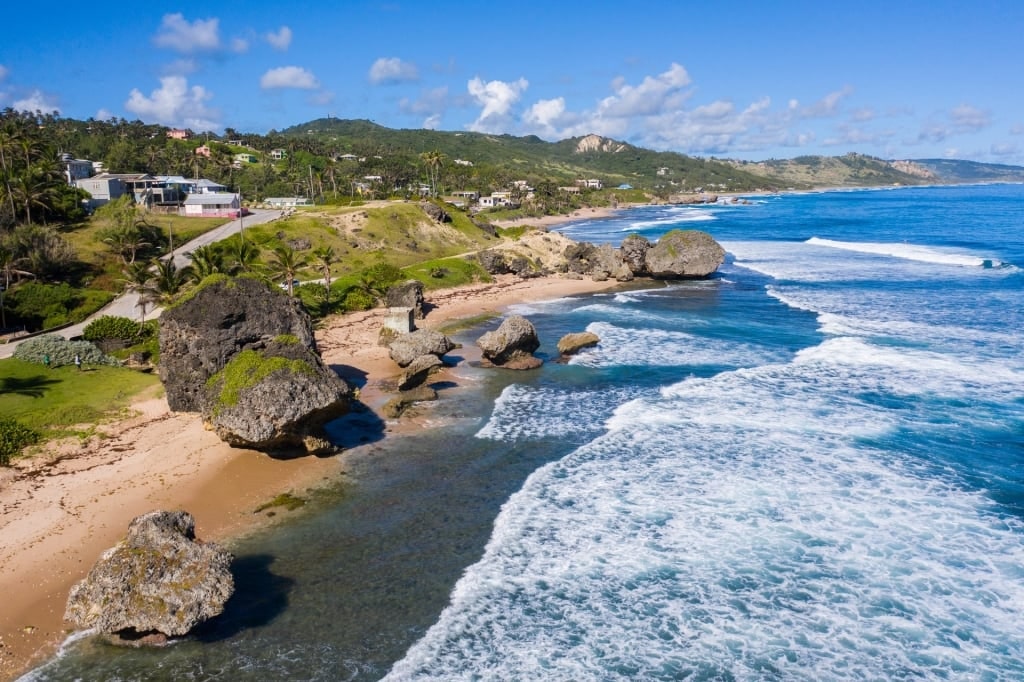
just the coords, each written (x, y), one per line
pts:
(810, 467)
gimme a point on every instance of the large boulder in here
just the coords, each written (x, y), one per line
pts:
(684, 254)
(223, 318)
(243, 354)
(600, 262)
(634, 253)
(277, 400)
(407, 347)
(159, 579)
(418, 371)
(573, 343)
(511, 345)
(435, 212)
(407, 294)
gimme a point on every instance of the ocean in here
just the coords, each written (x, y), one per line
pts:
(808, 467)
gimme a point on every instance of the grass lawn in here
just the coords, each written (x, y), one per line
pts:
(66, 401)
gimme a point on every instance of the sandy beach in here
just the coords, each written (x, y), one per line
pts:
(62, 507)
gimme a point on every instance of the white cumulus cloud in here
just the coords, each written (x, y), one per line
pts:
(651, 96)
(177, 33)
(389, 70)
(289, 77)
(497, 99)
(174, 103)
(280, 40)
(37, 101)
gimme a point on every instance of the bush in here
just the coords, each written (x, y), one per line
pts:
(61, 352)
(113, 327)
(357, 299)
(13, 437)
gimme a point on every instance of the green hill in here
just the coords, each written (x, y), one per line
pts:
(954, 171)
(529, 158)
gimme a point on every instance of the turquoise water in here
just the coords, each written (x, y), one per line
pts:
(808, 467)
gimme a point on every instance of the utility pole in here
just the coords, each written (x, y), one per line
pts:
(241, 217)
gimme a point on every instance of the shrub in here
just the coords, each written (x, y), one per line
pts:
(61, 351)
(118, 328)
(13, 437)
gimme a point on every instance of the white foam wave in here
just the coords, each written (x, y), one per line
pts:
(737, 527)
(627, 346)
(524, 413)
(924, 254)
(689, 216)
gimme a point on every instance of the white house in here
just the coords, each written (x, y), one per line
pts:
(76, 169)
(212, 205)
(204, 186)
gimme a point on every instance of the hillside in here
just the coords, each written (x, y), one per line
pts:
(955, 171)
(530, 157)
(850, 170)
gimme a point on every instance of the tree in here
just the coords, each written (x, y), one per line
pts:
(433, 161)
(9, 269)
(285, 263)
(139, 280)
(324, 256)
(206, 260)
(244, 255)
(168, 279)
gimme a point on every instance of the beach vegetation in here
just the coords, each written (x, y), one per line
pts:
(14, 436)
(246, 369)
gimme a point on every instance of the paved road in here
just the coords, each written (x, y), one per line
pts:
(127, 304)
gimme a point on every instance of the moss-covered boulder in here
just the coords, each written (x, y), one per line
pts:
(684, 254)
(243, 353)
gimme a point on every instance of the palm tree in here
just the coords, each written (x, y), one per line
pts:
(433, 161)
(206, 260)
(285, 263)
(168, 280)
(324, 256)
(244, 255)
(139, 280)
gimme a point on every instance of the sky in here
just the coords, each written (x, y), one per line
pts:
(744, 80)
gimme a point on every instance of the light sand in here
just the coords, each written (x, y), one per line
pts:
(59, 510)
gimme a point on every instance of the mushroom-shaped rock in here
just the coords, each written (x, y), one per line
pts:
(684, 254)
(277, 400)
(159, 579)
(570, 344)
(418, 371)
(512, 344)
(407, 347)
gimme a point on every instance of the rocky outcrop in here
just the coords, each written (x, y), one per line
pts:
(408, 347)
(435, 212)
(407, 294)
(600, 262)
(418, 371)
(223, 318)
(694, 198)
(158, 580)
(684, 254)
(243, 354)
(277, 400)
(570, 344)
(634, 253)
(511, 345)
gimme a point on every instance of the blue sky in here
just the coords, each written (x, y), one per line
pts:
(750, 80)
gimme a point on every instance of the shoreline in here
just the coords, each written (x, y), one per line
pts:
(61, 509)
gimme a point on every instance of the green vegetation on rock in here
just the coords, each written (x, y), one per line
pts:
(247, 369)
